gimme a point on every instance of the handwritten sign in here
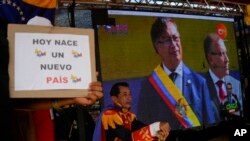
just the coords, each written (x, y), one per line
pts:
(50, 61)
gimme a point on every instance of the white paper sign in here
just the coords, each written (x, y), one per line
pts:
(51, 61)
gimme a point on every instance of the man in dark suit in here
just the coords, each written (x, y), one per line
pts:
(218, 62)
(184, 102)
(231, 103)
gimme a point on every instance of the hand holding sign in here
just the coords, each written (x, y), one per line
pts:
(94, 94)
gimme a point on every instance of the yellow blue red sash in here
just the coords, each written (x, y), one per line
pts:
(173, 98)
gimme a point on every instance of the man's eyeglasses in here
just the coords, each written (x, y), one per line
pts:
(219, 53)
(168, 41)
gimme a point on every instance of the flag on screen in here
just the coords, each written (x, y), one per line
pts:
(20, 11)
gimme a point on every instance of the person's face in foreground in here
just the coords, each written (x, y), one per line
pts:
(124, 98)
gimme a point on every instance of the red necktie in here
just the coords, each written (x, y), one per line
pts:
(222, 93)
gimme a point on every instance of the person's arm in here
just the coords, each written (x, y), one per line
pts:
(156, 130)
(115, 127)
(143, 133)
(94, 93)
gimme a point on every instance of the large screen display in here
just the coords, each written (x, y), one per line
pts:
(129, 53)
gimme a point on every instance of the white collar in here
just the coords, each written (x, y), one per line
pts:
(178, 70)
(214, 77)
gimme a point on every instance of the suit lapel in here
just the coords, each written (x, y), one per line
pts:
(187, 84)
(212, 90)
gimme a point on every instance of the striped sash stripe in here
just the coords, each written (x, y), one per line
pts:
(173, 97)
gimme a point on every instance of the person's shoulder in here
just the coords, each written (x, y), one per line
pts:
(111, 118)
(131, 113)
(110, 112)
(193, 73)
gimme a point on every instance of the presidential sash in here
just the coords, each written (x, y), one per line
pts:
(173, 98)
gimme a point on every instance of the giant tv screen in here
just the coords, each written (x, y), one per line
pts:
(127, 54)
